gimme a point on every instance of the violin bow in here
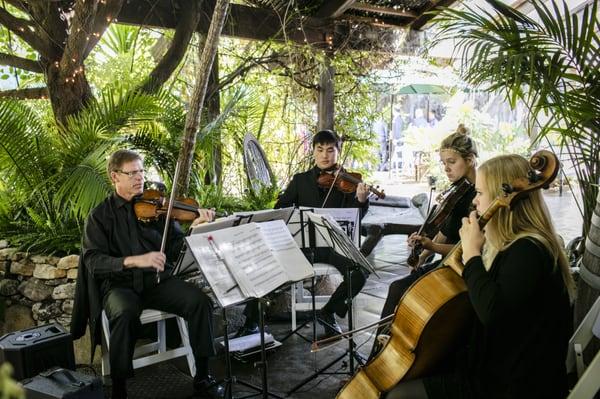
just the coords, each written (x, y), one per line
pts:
(163, 244)
(335, 176)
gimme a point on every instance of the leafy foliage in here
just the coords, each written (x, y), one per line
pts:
(551, 63)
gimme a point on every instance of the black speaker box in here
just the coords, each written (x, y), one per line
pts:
(37, 349)
(63, 384)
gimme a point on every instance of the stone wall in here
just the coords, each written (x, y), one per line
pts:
(38, 290)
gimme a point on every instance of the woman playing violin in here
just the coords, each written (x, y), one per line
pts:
(520, 287)
(121, 256)
(303, 190)
(458, 154)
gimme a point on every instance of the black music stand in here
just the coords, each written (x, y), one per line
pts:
(309, 252)
(340, 243)
(230, 379)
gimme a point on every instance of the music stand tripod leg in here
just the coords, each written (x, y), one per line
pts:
(262, 364)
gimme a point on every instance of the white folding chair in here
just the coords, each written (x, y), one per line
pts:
(301, 301)
(588, 383)
(158, 348)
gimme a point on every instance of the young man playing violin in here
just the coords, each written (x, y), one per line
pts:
(303, 190)
(122, 258)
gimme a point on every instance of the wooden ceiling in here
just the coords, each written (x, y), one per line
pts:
(365, 24)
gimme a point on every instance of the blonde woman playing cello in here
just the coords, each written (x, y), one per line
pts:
(520, 287)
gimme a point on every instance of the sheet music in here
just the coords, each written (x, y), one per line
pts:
(328, 229)
(250, 260)
(218, 224)
(349, 218)
(241, 344)
(268, 215)
(216, 272)
(256, 270)
(284, 249)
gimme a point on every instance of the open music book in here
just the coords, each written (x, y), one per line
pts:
(248, 261)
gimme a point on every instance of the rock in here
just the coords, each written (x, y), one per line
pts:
(8, 287)
(68, 262)
(53, 260)
(47, 311)
(23, 269)
(65, 321)
(82, 349)
(7, 253)
(64, 291)
(18, 317)
(17, 256)
(67, 306)
(39, 259)
(3, 244)
(72, 274)
(55, 282)
(33, 289)
(47, 272)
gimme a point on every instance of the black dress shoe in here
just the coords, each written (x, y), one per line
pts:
(247, 330)
(208, 388)
(331, 327)
(119, 388)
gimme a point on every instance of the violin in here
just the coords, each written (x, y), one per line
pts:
(152, 204)
(435, 312)
(438, 215)
(345, 182)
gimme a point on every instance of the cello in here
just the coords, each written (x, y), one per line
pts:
(434, 313)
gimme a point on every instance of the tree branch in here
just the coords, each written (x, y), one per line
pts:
(21, 63)
(105, 15)
(25, 94)
(188, 21)
(22, 28)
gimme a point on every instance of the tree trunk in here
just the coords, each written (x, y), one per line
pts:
(587, 288)
(207, 56)
(326, 93)
(213, 109)
(68, 94)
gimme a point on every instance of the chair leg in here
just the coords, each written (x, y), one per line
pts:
(293, 305)
(589, 383)
(185, 341)
(105, 345)
(161, 336)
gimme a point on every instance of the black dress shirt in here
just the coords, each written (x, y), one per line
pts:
(113, 233)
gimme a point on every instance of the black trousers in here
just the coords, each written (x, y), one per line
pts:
(123, 307)
(337, 301)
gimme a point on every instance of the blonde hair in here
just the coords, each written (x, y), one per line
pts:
(460, 142)
(529, 217)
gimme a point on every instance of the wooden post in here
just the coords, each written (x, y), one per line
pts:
(326, 90)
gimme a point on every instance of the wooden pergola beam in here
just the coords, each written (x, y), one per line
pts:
(420, 21)
(246, 22)
(383, 10)
(334, 8)
(243, 21)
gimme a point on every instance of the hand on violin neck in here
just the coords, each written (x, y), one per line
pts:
(205, 215)
(362, 192)
(471, 236)
(155, 260)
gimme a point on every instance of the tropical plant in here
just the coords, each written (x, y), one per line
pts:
(551, 62)
(52, 175)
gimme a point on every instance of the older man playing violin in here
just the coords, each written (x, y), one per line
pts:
(304, 190)
(123, 257)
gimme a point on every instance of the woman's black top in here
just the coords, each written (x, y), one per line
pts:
(519, 340)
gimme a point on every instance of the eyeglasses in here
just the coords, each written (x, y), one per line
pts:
(132, 173)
